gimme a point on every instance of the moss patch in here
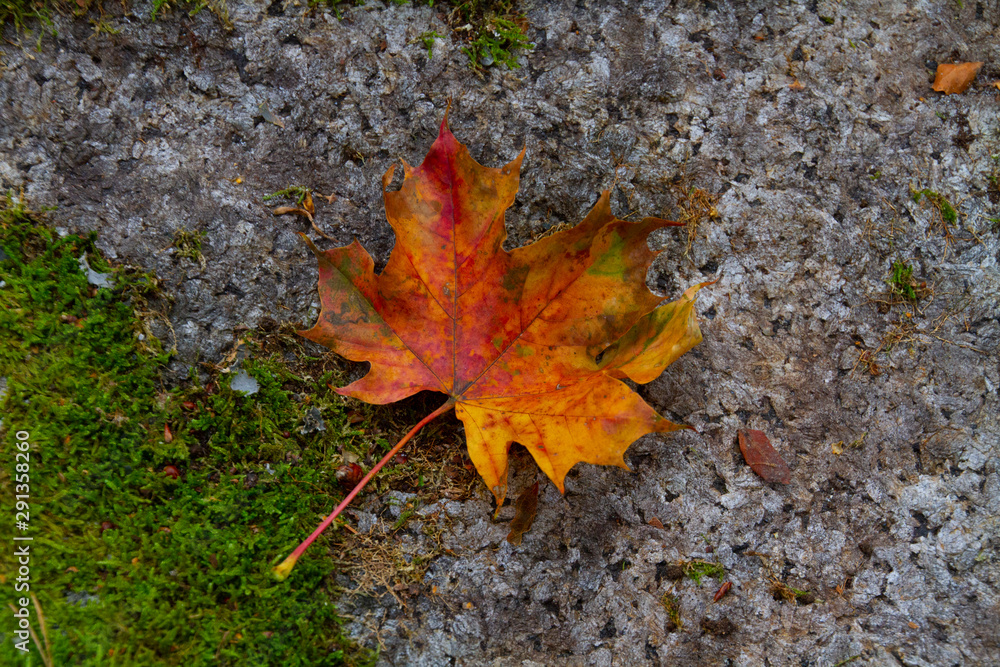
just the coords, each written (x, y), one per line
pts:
(901, 282)
(23, 14)
(946, 212)
(157, 512)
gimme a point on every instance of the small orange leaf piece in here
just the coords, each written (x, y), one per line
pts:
(762, 457)
(285, 210)
(525, 510)
(168, 436)
(721, 593)
(955, 77)
(530, 345)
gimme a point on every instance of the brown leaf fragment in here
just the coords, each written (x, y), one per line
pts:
(721, 593)
(762, 458)
(797, 85)
(525, 509)
(284, 210)
(306, 212)
(168, 436)
(655, 523)
(955, 77)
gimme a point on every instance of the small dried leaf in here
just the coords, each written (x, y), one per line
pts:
(283, 210)
(797, 85)
(308, 204)
(721, 593)
(168, 437)
(655, 523)
(525, 509)
(955, 77)
(762, 458)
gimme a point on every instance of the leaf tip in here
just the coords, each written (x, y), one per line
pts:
(387, 177)
(308, 241)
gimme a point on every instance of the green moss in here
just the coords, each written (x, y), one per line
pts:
(217, 7)
(901, 281)
(336, 5)
(22, 14)
(948, 213)
(149, 548)
(188, 245)
(427, 39)
(672, 604)
(494, 30)
(296, 192)
(696, 569)
(497, 42)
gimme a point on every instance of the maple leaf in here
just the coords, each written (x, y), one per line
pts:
(955, 77)
(530, 346)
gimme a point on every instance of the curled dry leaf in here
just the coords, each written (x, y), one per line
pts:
(955, 77)
(762, 457)
(284, 210)
(525, 509)
(307, 210)
(721, 593)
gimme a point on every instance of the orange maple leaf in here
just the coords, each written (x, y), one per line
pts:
(530, 346)
(955, 77)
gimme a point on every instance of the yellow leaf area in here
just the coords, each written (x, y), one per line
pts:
(530, 345)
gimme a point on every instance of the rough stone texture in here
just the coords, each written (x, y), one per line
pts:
(145, 133)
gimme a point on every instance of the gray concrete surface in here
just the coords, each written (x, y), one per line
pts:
(812, 121)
